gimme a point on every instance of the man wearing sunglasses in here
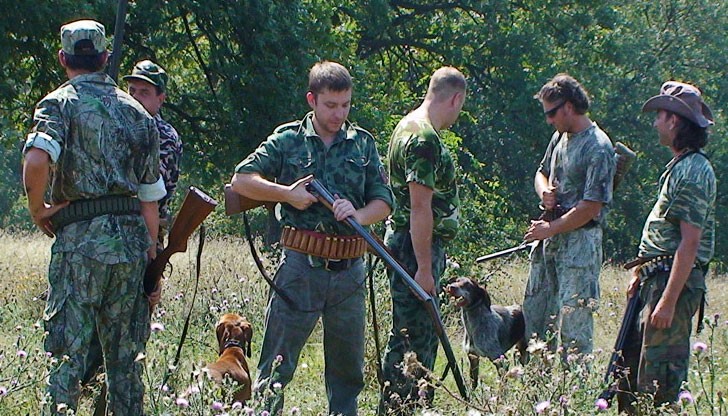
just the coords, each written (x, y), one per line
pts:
(574, 185)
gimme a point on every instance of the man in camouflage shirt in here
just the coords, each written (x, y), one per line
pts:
(575, 177)
(344, 158)
(98, 149)
(679, 234)
(422, 174)
(148, 85)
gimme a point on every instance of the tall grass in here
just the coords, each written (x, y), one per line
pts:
(230, 283)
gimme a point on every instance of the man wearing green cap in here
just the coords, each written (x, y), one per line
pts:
(148, 85)
(677, 244)
(97, 150)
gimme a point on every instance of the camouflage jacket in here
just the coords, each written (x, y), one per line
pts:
(170, 155)
(416, 154)
(687, 193)
(350, 167)
(581, 167)
(101, 142)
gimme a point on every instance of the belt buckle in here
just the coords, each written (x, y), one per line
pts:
(335, 265)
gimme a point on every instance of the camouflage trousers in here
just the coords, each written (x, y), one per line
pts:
(412, 328)
(563, 289)
(337, 297)
(660, 355)
(88, 300)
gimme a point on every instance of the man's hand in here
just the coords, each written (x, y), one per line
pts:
(426, 282)
(155, 296)
(298, 196)
(548, 198)
(343, 209)
(634, 285)
(539, 230)
(42, 215)
(661, 317)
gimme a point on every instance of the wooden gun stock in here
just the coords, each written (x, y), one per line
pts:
(236, 203)
(195, 208)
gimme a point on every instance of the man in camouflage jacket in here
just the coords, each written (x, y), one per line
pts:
(575, 176)
(148, 85)
(98, 149)
(422, 174)
(344, 158)
(679, 235)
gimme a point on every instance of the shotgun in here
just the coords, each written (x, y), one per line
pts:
(195, 208)
(236, 203)
(616, 362)
(327, 199)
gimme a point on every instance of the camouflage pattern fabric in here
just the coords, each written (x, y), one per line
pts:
(81, 30)
(170, 155)
(416, 154)
(563, 289)
(581, 167)
(412, 327)
(563, 282)
(101, 142)
(660, 355)
(687, 192)
(89, 299)
(350, 167)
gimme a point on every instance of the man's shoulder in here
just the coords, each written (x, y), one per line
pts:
(291, 127)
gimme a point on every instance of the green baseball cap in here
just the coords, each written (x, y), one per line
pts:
(150, 72)
(83, 37)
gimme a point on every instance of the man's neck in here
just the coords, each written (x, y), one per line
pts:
(73, 73)
(581, 123)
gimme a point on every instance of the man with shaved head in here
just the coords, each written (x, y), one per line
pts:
(422, 175)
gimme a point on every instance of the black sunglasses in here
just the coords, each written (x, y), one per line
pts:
(552, 112)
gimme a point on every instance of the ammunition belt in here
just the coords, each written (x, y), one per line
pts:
(86, 209)
(660, 264)
(323, 245)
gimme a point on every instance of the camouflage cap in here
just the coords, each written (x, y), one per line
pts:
(150, 72)
(83, 37)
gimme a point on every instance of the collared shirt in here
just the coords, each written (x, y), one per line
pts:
(101, 142)
(170, 155)
(687, 193)
(350, 168)
(581, 167)
(416, 154)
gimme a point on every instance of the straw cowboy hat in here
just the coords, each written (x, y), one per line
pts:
(683, 99)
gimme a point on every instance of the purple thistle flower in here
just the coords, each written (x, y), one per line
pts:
(22, 354)
(157, 327)
(182, 402)
(217, 406)
(699, 347)
(685, 396)
(601, 404)
(541, 407)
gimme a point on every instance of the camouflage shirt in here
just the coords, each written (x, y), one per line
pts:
(581, 167)
(170, 155)
(416, 154)
(687, 193)
(350, 167)
(101, 142)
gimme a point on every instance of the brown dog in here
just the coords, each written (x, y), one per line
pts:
(490, 330)
(234, 335)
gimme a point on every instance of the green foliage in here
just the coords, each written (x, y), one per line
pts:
(238, 69)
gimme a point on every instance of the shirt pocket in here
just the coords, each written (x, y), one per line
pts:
(355, 173)
(298, 167)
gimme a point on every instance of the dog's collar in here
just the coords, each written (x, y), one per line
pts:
(232, 343)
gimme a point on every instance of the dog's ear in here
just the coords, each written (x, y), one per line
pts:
(248, 338)
(221, 332)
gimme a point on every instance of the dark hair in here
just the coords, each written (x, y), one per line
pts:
(688, 134)
(328, 75)
(564, 87)
(91, 63)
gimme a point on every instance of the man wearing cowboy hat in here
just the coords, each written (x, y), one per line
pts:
(678, 241)
(148, 85)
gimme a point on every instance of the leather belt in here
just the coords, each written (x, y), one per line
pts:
(86, 209)
(329, 247)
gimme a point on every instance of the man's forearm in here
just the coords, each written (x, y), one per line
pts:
(373, 212)
(150, 213)
(421, 226)
(578, 216)
(36, 171)
(254, 186)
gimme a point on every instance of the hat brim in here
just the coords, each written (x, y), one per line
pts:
(142, 78)
(677, 106)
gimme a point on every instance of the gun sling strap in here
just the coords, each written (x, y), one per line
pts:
(86, 209)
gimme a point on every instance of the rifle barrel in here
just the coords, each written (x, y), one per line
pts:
(413, 285)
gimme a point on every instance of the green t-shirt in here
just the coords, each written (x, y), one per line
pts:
(416, 154)
(687, 193)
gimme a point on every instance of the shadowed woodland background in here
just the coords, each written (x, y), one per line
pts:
(239, 68)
